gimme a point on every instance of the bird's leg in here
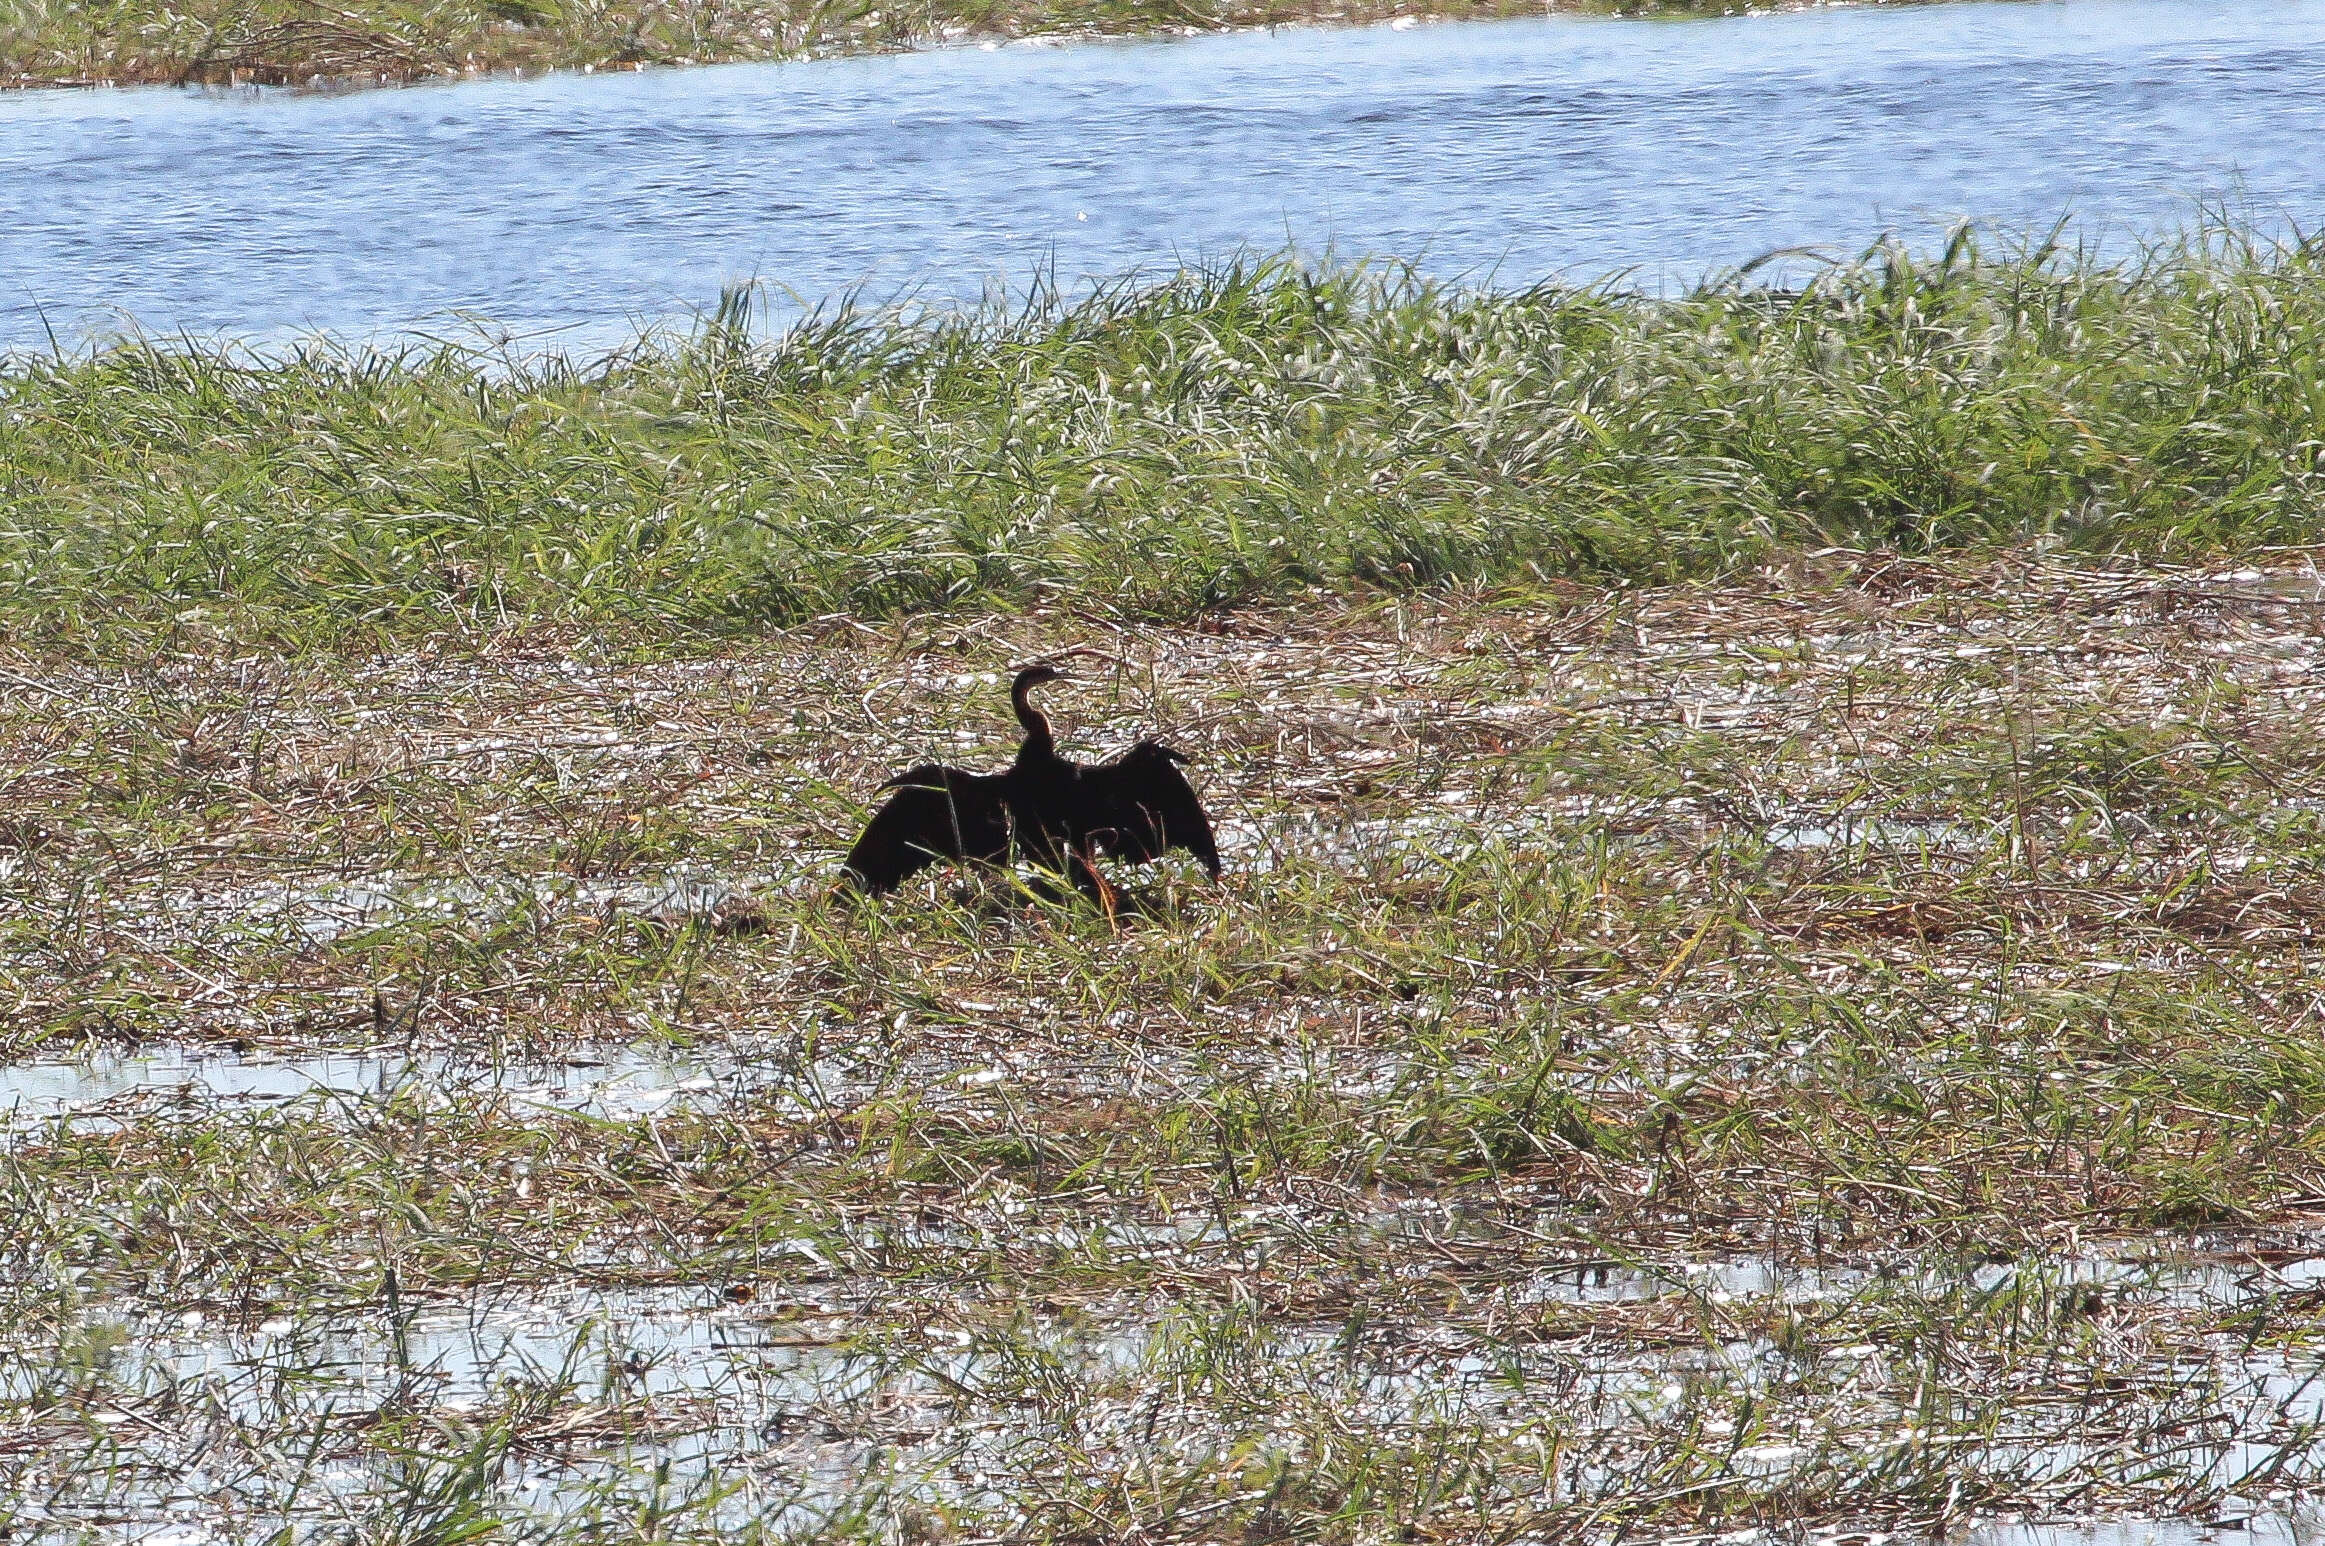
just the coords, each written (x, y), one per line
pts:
(1087, 877)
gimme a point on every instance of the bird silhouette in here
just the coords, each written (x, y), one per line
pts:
(1061, 815)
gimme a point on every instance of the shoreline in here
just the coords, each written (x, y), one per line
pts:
(308, 49)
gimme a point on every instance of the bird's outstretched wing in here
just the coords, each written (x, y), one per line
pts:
(936, 813)
(1149, 808)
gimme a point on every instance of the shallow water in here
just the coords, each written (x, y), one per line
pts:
(1876, 832)
(2184, 1282)
(618, 1082)
(786, 1398)
(645, 1342)
(2265, 1528)
(1522, 149)
(328, 910)
(673, 1375)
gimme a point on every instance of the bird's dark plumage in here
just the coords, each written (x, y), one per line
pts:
(936, 813)
(1153, 809)
(1063, 815)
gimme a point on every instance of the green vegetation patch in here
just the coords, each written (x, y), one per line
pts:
(1158, 450)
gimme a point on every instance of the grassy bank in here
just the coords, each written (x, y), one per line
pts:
(297, 42)
(1157, 451)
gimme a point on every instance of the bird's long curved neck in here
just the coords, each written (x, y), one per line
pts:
(1038, 740)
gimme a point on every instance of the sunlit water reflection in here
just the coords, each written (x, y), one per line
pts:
(1517, 149)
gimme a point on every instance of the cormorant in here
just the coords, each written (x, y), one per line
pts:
(1062, 815)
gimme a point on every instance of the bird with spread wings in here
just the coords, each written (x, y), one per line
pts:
(1061, 815)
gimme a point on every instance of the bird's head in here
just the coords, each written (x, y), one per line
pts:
(1036, 726)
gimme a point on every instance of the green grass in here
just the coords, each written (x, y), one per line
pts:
(377, 41)
(1158, 450)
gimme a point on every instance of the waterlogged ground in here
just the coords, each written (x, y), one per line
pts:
(1835, 1050)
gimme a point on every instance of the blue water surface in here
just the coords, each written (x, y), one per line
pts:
(574, 209)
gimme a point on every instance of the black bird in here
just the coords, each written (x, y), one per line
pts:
(1061, 815)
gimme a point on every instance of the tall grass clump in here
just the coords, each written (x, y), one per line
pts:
(1249, 429)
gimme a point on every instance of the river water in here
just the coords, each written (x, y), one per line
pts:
(572, 209)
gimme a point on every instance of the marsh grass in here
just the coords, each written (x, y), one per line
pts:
(1899, 971)
(1155, 451)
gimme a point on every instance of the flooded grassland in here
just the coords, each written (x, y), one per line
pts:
(1835, 1048)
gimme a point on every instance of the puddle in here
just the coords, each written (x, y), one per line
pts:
(642, 1343)
(1806, 832)
(2199, 1283)
(796, 1406)
(792, 1407)
(1606, 1282)
(2234, 1523)
(1458, 827)
(669, 1377)
(790, 1411)
(1335, 837)
(320, 913)
(2289, 586)
(618, 1082)
(31, 1092)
